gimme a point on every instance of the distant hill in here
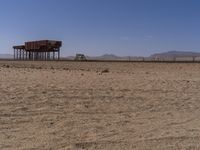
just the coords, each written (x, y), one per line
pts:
(107, 57)
(172, 54)
(6, 56)
(103, 57)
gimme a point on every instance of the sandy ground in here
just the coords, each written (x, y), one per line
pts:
(74, 105)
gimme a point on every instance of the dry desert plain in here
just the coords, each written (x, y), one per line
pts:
(99, 105)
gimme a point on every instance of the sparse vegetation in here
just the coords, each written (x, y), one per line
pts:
(105, 71)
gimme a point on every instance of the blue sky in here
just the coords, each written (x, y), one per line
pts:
(96, 27)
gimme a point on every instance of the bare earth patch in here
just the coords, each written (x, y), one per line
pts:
(94, 105)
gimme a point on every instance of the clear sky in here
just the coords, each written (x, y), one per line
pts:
(96, 27)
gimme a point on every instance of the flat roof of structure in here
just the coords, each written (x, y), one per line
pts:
(19, 47)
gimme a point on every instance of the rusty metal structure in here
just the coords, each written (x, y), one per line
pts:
(38, 50)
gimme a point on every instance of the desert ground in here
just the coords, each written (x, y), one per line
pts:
(99, 105)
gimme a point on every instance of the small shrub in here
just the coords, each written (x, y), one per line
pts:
(105, 71)
(6, 66)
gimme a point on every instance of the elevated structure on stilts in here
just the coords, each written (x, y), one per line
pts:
(38, 50)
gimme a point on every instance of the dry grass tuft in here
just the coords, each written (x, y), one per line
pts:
(105, 71)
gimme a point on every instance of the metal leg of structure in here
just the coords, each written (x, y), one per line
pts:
(20, 54)
(48, 56)
(30, 53)
(53, 55)
(26, 55)
(58, 54)
(14, 54)
(29, 56)
(33, 56)
(23, 54)
(17, 54)
(44, 54)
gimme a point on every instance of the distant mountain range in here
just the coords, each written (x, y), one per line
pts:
(165, 55)
(107, 57)
(172, 54)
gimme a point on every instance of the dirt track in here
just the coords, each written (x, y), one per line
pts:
(71, 105)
